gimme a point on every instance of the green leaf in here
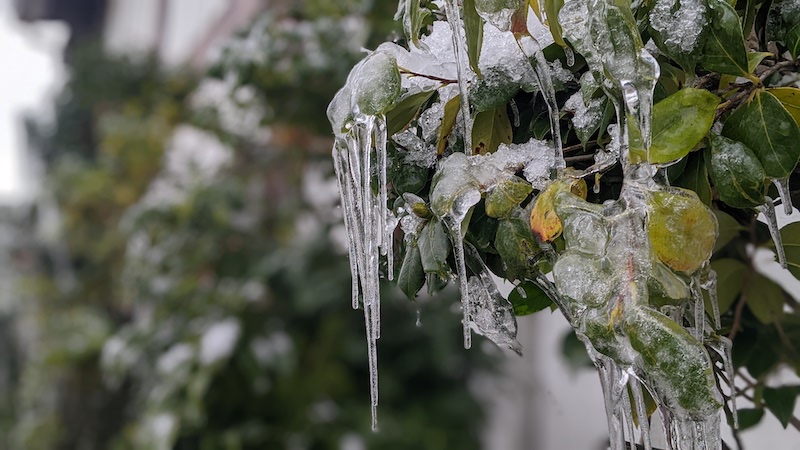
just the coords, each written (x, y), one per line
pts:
(764, 298)
(728, 229)
(737, 174)
(411, 276)
(749, 417)
(695, 177)
(451, 109)
(473, 27)
(491, 128)
(754, 59)
(493, 91)
(790, 99)
(724, 50)
(680, 122)
(413, 17)
(574, 352)
(405, 111)
(730, 281)
(792, 40)
(533, 300)
(767, 128)
(780, 401)
(790, 234)
(551, 9)
(506, 196)
(517, 247)
(434, 248)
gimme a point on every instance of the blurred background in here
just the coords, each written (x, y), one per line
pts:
(173, 270)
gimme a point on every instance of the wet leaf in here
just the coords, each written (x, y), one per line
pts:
(724, 50)
(681, 228)
(533, 301)
(695, 177)
(780, 401)
(764, 298)
(506, 196)
(491, 128)
(545, 223)
(413, 18)
(411, 276)
(451, 109)
(790, 99)
(405, 111)
(574, 352)
(737, 174)
(790, 235)
(767, 128)
(517, 247)
(473, 27)
(755, 58)
(434, 248)
(680, 122)
(551, 9)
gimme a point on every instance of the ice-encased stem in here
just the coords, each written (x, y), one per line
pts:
(785, 195)
(727, 362)
(462, 69)
(699, 309)
(533, 53)
(453, 226)
(768, 209)
(641, 412)
(709, 283)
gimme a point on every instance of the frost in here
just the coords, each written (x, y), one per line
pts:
(680, 21)
(586, 117)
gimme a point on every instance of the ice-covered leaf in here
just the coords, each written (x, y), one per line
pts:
(473, 28)
(767, 128)
(780, 401)
(499, 13)
(677, 29)
(516, 246)
(729, 228)
(790, 235)
(724, 50)
(376, 86)
(405, 111)
(491, 128)
(790, 99)
(764, 298)
(681, 228)
(545, 223)
(451, 109)
(586, 117)
(737, 174)
(411, 276)
(494, 90)
(678, 362)
(680, 122)
(695, 177)
(434, 248)
(528, 298)
(506, 196)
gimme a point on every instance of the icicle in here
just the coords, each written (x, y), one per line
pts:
(419, 318)
(627, 413)
(784, 194)
(641, 412)
(452, 222)
(387, 225)
(533, 52)
(372, 362)
(727, 362)
(699, 309)
(462, 68)
(708, 281)
(768, 209)
(521, 291)
(570, 56)
(345, 193)
(514, 111)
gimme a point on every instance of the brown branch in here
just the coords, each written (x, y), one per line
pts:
(429, 77)
(779, 66)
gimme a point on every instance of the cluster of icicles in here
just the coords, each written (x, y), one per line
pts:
(360, 156)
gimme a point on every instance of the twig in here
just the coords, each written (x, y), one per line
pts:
(578, 158)
(779, 66)
(430, 77)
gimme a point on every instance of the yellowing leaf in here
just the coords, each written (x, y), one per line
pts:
(451, 109)
(545, 223)
(790, 99)
(491, 128)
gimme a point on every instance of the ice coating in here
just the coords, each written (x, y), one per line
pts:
(768, 210)
(784, 194)
(585, 117)
(688, 16)
(462, 67)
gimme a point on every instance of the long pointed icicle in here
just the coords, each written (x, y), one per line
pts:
(462, 68)
(454, 229)
(345, 193)
(533, 52)
(768, 209)
(783, 192)
(727, 362)
(386, 230)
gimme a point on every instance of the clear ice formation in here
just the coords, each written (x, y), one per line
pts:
(608, 277)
